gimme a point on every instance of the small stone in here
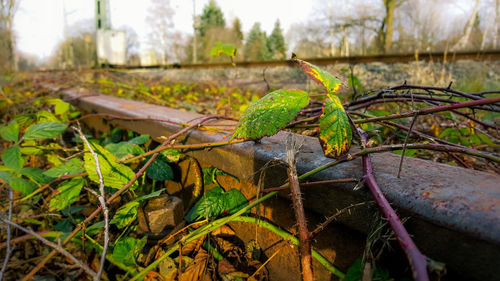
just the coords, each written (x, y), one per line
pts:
(160, 213)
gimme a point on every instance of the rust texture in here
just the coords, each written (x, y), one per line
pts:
(454, 212)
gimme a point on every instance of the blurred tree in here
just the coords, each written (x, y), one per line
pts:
(256, 47)
(132, 44)
(211, 17)
(8, 9)
(464, 40)
(276, 42)
(496, 24)
(160, 18)
(387, 27)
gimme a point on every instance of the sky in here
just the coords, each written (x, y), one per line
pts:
(39, 24)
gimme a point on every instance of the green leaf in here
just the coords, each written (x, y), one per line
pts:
(150, 195)
(212, 203)
(10, 132)
(22, 185)
(12, 158)
(46, 130)
(5, 176)
(123, 149)
(25, 119)
(355, 272)
(330, 82)
(71, 167)
(335, 129)
(159, 169)
(448, 131)
(45, 116)
(68, 193)
(210, 175)
(126, 214)
(226, 49)
(61, 107)
(484, 138)
(268, 115)
(235, 200)
(115, 175)
(171, 155)
(142, 139)
(127, 249)
(35, 174)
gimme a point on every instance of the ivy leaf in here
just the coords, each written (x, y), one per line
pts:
(115, 175)
(67, 193)
(268, 115)
(235, 200)
(335, 129)
(127, 249)
(10, 132)
(139, 140)
(71, 167)
(22, 185)
(330, 82)
(126, 214)
(159, 169)
(123, 149)
(42, 131)
(212, 203)
(12, 158)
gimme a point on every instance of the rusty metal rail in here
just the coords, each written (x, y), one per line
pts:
(454, 212)
(393, 58)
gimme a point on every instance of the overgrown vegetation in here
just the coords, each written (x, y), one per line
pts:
(57, 181)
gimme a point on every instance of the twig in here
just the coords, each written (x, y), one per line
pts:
(56, 247)
(298, 207)
(331, 218)
(417, 260)
(102, 200)
(314, 183)
(9, 218)
(405, 143)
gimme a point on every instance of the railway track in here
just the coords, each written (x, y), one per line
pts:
(393, 58)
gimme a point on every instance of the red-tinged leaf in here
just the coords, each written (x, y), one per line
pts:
(330, 82)
(335, 130)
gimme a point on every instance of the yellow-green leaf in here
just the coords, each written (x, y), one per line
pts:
(271, 113)
(67, 193)
(330, 82)
(335, 130)
(115, 175)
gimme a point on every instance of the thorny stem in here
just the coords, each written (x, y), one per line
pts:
(298, 207)
(102, 200)
(115, 195)
(405, 143)
(56, 247)
(426, 111)
(417, 260)
(331, 218)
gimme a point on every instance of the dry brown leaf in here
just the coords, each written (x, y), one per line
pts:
(224, 231)
(192, 247)
(196, 271)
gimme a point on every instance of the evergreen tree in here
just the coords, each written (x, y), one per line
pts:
(237, 30)
(276, 42)
(256, 47)
(211, 17)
